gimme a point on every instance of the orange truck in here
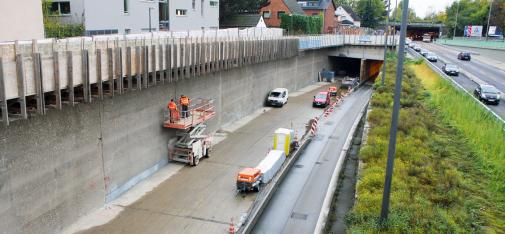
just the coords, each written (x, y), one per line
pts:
(249, 179)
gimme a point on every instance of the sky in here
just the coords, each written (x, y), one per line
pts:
(422, 6)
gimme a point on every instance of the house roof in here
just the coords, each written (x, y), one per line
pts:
(294, 7)
(240, 21)
(320, 5)
(349, 10)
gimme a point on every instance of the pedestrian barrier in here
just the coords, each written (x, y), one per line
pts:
(313, 128)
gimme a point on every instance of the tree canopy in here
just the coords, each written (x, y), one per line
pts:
(471, 12)
(371, 12)
(231, 7)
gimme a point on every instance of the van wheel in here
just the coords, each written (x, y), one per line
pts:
(207, 153)
(196, 160)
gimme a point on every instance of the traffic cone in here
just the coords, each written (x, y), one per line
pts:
(231, 229)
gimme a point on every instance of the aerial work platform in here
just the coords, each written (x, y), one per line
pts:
(199, 111)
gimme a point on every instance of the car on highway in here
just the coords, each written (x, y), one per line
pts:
(487, 94)
(424, 52)
(451, 69)
(412, 45)
(322, 99)
(417, 48)
(464, 56)
(432, 57)
(277, 97)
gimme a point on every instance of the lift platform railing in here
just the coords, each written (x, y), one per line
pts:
(199, 111)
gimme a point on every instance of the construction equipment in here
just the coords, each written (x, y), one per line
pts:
(192, 144)
(249, 179)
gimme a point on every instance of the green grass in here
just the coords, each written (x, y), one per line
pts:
(442, 182)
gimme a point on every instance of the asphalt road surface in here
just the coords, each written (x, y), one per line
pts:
(203, 199)
(296, 205)
(485, 72)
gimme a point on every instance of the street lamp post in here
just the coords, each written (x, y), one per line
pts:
(150, 28)
(456, 24)
(386, 44)
(396, 112)
(489, 18)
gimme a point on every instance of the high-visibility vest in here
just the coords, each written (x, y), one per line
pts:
(172, 106)
(184, 101)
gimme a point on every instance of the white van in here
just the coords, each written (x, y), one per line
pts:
(277, 97)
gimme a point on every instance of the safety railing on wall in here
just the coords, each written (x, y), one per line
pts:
(323, 41)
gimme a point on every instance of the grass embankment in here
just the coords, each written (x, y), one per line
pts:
(446, 177)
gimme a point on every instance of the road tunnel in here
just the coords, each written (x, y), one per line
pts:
(415, 31)
(364, 69)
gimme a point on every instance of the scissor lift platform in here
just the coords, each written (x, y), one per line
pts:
(199, 112)
(191, 143)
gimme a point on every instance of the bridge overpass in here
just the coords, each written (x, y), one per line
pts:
(81, 117)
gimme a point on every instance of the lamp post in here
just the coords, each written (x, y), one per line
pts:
(386, 44)
(150, 28)
(489, 18)
(456, 24)
(394, 118)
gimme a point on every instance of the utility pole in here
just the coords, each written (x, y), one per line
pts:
(394, 119)
(150, 28)
(488, 19)
(386, 44)
(456, 24)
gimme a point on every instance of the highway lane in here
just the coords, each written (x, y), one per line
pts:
(483, 71)
(203, 199)
(463, 79)
(296, 205)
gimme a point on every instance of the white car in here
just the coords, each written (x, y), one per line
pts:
(277, 97)
(432, 57)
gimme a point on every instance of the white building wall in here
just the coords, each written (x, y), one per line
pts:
(76, 15)
(194, 18)
(110, 15)
(21, 20)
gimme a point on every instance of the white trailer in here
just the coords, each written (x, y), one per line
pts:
(271, 164)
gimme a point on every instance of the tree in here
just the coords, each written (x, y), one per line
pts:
(371, 12)
(351, 3)
(397, 14)
(498, 14)
(471, 12)
(231, 7)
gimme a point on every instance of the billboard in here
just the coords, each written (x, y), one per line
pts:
(473, 31)
(492, 30)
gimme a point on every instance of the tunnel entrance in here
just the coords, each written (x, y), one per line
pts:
(344, 66)
(415, 31)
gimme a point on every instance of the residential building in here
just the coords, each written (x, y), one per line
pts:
(108, 17)
(274, 9)
(326, 8)
(243, 21)
(21, 20)
(347, 17)
(192, 14)
(136, 16)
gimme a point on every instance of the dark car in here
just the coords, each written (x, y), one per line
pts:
(464, 56)
(487, 94)
(451, 69)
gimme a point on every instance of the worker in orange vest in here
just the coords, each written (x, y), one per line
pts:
(184, 101)
(174, 113)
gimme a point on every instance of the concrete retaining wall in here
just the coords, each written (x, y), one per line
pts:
(57, 167)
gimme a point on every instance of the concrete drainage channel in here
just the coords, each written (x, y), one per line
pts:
(345, 193)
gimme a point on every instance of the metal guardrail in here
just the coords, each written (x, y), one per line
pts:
(323, 41)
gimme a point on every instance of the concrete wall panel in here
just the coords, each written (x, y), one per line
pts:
(58, 167)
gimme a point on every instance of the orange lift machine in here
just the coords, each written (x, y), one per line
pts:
(191, 144)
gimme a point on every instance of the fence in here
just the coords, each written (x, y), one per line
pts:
(322, 41)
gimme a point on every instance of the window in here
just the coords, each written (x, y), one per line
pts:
(193, 4)
(125, 6)
(315, 14)
(180, 12)
(214, 3)
(280, 13)
(266, 14)
(60, 8)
